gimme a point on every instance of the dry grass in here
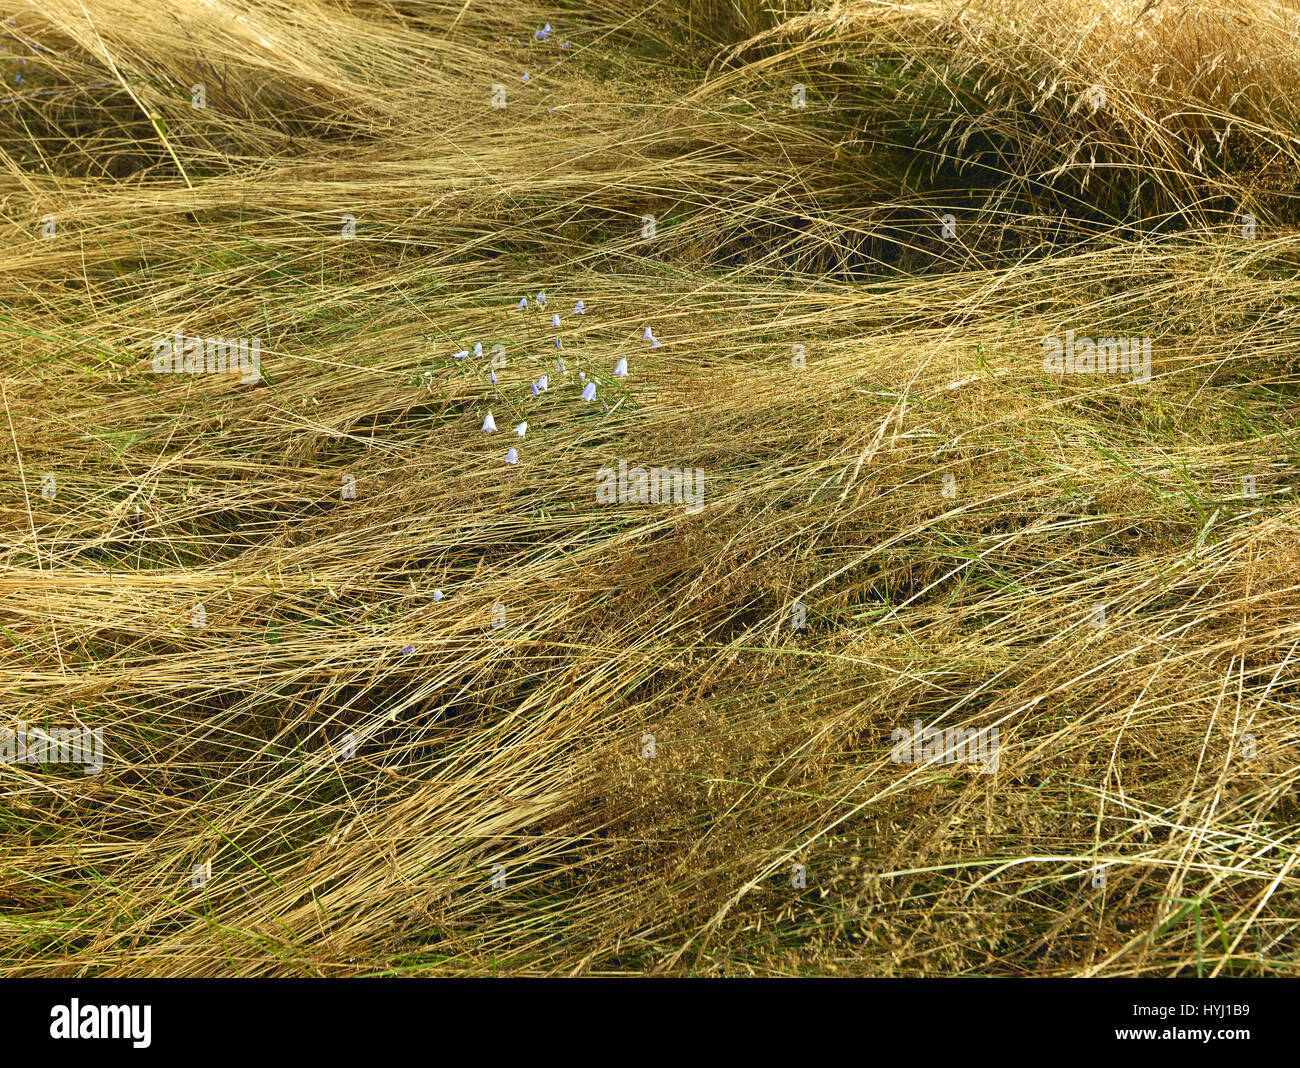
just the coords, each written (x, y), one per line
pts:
(521, 745)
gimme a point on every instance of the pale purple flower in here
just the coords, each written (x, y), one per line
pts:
(589, 394)
(492, 377)
(555, 319)
(478, 348)
(407, 650)
(512, 457)
(579, 309)
(620, 371)
(522, 429)
(559, 367)
(523, 302)
(437, 595)
(490, 424)
(460, 355)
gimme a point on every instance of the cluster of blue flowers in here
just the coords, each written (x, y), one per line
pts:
(543, 383)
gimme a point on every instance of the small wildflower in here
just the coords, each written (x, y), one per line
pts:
(478, 348)
(512, 457)
(589, 394)
(437, 595)
(620, 371)
(580, 308)
(522, 429)
(555, 319)
(559, 367)
(460, 355)
(542, 384)
(523, 302)
(492, 377)
(525, 77)
(490, 424)
(541, 298)
(407, 650)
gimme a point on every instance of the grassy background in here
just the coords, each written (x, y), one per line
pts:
(520, 746)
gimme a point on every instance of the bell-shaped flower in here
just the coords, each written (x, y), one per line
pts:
(589, 394)
(512, 457)
(543, 384)
(478, 348)
(523, 302)
(492, 377)
(490, 424)
(522, 429)
(579, 309)
(437, 595)
(559, 367)
(555, 319)
(620, 370)
(460, 355)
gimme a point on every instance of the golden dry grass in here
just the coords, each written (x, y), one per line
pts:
(518, 748)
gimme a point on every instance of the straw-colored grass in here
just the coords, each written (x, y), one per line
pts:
(362, 764)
